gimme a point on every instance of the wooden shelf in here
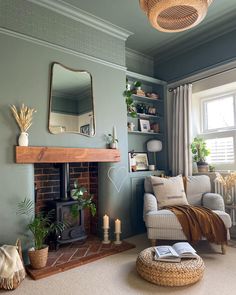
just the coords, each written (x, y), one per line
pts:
(41, 154)
(146, 98)
(144, 133)
(140, 115)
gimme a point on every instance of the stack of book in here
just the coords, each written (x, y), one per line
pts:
(175, 253)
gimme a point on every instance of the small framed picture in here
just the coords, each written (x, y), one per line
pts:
(144, 125)
(141, 160)
(85, 129)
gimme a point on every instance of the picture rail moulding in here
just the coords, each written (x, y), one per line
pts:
(41, 154)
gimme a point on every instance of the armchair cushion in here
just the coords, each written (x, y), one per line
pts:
(213, 201)
(169, 191)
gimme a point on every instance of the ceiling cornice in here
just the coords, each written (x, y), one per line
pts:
(198, 37)
(68, 10)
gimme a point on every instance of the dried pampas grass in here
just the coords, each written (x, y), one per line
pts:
(228, 181)
(23, 117)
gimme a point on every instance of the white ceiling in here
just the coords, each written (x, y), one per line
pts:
(221, 18)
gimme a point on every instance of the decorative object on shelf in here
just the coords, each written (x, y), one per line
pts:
(85, 200)
(23, 118)
(141, 108)
(175, 15)
(130, 126)
(132, 161)
(106, 229)
(141, 161)
(151, 167)
(228, 183)
(112, 140)
(155, 127)
(41, 225)
(154, 146)
(138, 90)
(117, 232)
(152, 110)
(200, 152)
(144, 125)
(152, 95)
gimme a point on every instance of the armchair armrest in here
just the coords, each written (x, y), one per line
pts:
(150, 204)
(213, 201)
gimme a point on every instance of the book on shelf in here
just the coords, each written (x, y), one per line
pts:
(175, 252)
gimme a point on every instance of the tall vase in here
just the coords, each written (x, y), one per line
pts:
(23, 139)
(228, 197)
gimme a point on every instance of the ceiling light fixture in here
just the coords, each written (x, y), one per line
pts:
(175, 15)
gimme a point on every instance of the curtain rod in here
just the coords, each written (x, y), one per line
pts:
(200, 79)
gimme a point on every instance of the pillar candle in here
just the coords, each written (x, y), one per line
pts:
(117, 226)
(114, 133)
(105, 221)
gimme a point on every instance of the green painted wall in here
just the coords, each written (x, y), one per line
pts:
(24, 76)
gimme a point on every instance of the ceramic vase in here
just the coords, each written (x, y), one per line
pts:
(23, 139)
(228, 198)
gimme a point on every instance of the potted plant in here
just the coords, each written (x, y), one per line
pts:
(200, 152)
(112, 141)
(41, 225)
(84, 199)
(137, 85)
(131, 110)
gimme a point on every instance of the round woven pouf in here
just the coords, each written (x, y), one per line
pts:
(183, 273)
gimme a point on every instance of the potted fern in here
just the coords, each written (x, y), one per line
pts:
(41, 225)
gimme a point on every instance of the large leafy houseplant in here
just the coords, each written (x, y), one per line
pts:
(200, 152)
(83, 198)
(41, 225)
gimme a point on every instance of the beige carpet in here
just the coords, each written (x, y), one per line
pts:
(116, 275)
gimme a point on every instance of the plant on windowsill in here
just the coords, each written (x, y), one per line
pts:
(84, 200)
(41, 225)
(200, 152)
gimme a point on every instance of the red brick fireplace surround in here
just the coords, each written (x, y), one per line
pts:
(47, 186)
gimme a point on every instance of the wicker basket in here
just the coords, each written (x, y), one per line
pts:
(38, 258)
(16, 283)
(186, 272)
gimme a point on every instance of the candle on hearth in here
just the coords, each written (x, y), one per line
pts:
(117, 226)
(105, 221)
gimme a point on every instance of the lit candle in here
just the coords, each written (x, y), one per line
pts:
(117, 226)
(105, 221)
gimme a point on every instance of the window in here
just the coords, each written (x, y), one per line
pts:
(218, 125)
(219, 113)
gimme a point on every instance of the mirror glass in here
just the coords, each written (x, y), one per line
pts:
(71, 101)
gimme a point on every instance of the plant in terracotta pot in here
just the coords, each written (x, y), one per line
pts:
(41, 225)
(200, 152)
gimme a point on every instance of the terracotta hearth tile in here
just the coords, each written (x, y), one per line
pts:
(76, 254)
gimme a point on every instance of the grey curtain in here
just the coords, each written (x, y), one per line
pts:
(181, 162)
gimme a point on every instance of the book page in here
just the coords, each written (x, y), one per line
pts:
(165, 251)
(184, 249)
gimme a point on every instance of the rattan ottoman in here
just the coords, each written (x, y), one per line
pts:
(183, 273)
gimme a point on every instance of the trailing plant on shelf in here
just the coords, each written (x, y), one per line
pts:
(137, 84)
(84, 200)
(41, 225)
(131, 109)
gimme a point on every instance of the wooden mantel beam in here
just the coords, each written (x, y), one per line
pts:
(40, 154)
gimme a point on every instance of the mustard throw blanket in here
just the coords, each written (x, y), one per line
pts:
(199, 221)
(11, 266)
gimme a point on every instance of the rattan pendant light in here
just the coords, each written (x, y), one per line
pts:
(175, 15)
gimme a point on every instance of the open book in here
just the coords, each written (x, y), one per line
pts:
(174, 253)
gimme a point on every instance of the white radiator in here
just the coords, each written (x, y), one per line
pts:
(219, 189)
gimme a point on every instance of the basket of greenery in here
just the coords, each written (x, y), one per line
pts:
(41, 225)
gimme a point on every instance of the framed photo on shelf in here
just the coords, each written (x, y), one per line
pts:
(144, 125)
(141, 160)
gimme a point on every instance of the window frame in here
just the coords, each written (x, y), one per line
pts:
(203, 112)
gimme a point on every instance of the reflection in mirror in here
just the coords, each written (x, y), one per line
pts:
(71, 101)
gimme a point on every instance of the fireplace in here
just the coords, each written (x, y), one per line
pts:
(53, 183)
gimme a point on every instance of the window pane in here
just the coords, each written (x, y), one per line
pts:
(222, 150)
(220, 113)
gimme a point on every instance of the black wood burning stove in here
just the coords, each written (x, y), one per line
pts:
(74, 230)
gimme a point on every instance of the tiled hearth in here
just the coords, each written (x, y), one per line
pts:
(75, 254)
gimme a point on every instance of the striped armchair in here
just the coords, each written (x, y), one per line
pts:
(163, 224)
